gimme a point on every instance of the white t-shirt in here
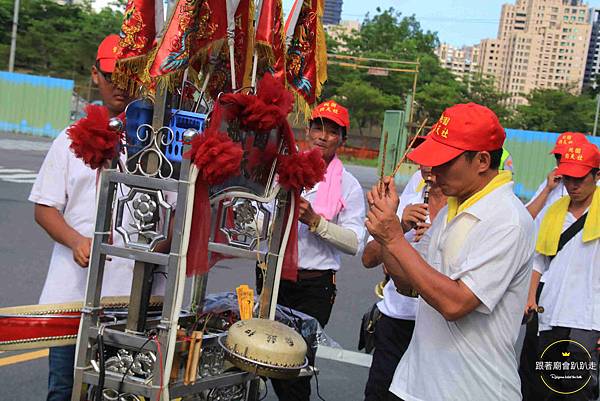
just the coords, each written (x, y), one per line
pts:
(394, 304)
(571, 294)
(488, 247)
(314, 253)
(67, 184)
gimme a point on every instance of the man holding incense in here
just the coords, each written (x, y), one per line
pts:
(474, 279)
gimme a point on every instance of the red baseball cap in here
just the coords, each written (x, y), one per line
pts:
(579, 159)
(107, 53)
(566, 139)
(333, 111)
(461, 127)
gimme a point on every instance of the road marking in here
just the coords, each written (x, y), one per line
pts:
(27, 356)
(345, 356)
(17, 175)
(21, 144)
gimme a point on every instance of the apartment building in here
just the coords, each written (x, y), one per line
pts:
(332, 12)
(592, 67)
(540, 44)
(460, 61)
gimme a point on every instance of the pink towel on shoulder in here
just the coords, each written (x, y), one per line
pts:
(329, 200)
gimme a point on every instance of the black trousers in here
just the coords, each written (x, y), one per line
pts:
(587, 339)
(315, 297)
(392, 337)
(532, 387)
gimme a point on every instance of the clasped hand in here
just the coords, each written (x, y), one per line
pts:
(382, 222)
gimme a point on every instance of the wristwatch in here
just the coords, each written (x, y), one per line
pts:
(313, 226)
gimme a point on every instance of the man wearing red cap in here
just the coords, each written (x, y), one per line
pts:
(64, 194)
(332, 214)
(568, 257)
(553, 189)
(474, 279)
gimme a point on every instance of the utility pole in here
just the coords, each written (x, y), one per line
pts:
(13, 38)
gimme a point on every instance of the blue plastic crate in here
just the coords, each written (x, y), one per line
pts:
(179, 123)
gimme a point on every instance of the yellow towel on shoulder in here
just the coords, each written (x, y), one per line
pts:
(503, 177)
(552, 224)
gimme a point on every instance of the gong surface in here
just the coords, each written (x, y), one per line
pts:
(269, 347)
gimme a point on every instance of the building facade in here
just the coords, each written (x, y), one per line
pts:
(332, 13)
(592, 65)
(461, 62)
(540, 44)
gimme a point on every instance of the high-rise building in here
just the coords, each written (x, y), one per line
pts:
(332, 13)
(460, 61)
(592, 66)
(540, 44)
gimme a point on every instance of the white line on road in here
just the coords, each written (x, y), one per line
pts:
(17, 175)
(13, 171)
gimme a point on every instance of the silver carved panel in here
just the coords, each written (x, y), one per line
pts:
(244, 222)
(144, 208)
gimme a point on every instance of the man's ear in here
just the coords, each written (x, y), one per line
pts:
(95, 78)
(485, 159)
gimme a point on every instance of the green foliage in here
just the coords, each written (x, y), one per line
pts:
(54, 39)
(389, 35)
(556, 111)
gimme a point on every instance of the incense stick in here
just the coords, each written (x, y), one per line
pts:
(383, 158)
(408, 148)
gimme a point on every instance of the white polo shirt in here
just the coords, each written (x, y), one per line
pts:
(488, 246)
(67, 184)
(410, 188)
(571, 293)
(314, 253)
(394, 304)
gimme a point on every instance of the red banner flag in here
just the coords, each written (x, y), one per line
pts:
(194, 26)
(306, 62)
(270, 38)
(220, 80)
(135, 42)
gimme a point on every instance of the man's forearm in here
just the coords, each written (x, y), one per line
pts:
(443, 294)
(536, 206)
(371, 256)
(53, 222)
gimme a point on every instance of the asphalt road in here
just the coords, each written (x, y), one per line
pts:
(25, 250)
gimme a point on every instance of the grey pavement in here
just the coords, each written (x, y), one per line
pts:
(25, 251)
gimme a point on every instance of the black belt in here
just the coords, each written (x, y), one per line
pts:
(308, 274)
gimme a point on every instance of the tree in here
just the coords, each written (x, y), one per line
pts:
(556, 111)
(365, 101)
(389, 35)
(54, 39)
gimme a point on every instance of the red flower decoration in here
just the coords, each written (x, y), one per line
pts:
(301, 170)
(91, 139)
(216, 156)
(263, 112)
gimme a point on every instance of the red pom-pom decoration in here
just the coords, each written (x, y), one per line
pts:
(91, 139)
(263, 112)
(216, 156)
(301, 170)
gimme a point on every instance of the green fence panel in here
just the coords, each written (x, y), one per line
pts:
(34, 105)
